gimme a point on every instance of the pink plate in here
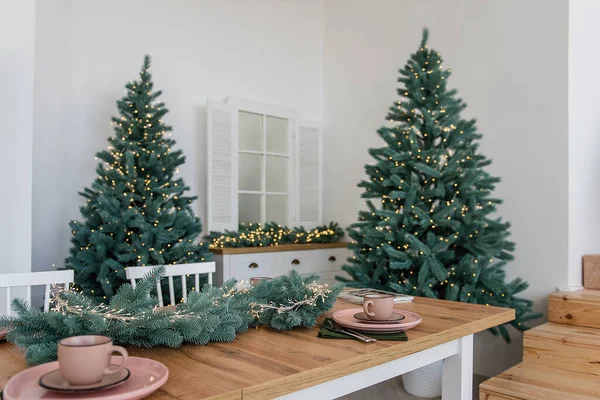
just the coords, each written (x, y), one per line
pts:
(146, 377)
(346, 319)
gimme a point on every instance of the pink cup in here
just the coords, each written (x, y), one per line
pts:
(378, 307)
(258, 279)
(84, 360)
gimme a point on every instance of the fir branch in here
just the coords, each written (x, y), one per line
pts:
(273, 234)
(215, 314)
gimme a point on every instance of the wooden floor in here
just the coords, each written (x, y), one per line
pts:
(561, 359)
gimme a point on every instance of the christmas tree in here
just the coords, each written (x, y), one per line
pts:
(136, 212)
(431, 230)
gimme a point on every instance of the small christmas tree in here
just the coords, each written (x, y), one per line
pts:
(431, 232)
(136, 212)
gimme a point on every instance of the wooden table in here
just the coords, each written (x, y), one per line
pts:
(296, 364)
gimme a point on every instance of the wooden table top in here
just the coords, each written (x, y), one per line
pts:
(263, 363)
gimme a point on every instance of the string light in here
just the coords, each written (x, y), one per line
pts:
(273, 236)
(318, 292)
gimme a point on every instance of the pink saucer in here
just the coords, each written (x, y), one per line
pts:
(346, 319)
(146, 377)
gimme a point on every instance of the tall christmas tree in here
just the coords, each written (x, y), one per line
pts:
(136, 212)
(431, 230)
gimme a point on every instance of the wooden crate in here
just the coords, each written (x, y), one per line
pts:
(591, 271)
(580, 308)
(565, 347)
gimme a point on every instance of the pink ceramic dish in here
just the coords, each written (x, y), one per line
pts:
(146, 377)
(346, 319)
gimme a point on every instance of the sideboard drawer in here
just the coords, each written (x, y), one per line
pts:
(329, 277)
(246, 266)
(324, 261)
(328, 260)
(301, 261)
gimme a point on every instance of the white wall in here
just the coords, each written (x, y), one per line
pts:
(509, 63)
(266, 50)
(584, 135)
(17, 35)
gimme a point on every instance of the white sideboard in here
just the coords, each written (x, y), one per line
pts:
(325, 259)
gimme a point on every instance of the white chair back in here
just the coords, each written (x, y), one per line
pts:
(29, 279)
(183, 270)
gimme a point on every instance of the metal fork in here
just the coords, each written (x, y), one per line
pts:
(334, 326)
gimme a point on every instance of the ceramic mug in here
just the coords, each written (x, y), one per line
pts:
(378, 307)
(84, 360)
(258, 279)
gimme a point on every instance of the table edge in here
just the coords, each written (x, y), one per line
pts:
(279, 248)
(312, 377)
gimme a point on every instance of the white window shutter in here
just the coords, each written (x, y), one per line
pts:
(309, 172)
(222, 167)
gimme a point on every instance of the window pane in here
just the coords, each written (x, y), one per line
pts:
(249, 208)
(277, 135)
(277, 209)
(277, 174)
(250, 171)
(250, 128)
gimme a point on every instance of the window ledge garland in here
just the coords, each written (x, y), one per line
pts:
(215, 314)
(272, 234)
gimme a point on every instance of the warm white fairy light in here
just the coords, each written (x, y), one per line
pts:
(61, 305)
(240, 287)
(64, 307)
(318, 292)
(273, 236)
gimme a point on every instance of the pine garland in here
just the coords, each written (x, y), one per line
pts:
(215, 314)
(273, 234)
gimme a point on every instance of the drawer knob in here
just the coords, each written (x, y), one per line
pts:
(332, 258)
(253, 265)
(295, 261)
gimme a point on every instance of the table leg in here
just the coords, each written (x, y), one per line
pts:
(457, 375)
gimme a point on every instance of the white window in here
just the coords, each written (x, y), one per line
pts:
(264, 165)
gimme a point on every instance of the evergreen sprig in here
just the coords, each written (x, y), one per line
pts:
(293, 305)
(273, 234)
(215, 314)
